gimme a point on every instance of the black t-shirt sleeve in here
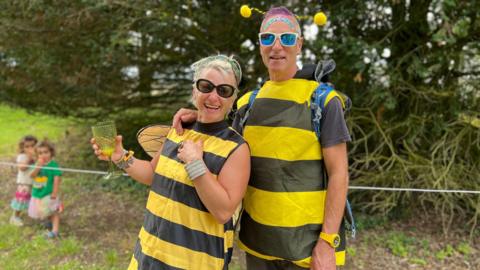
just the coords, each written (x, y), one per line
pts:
(333, 128)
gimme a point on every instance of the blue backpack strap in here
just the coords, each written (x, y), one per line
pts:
(351, 221)
(251, 99)
(317, 105)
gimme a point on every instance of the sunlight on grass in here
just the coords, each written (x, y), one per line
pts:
(10, 235)
(36, 124)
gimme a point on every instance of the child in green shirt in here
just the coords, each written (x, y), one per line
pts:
(46, 187)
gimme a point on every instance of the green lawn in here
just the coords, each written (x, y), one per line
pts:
(27, 248)
(16, 123)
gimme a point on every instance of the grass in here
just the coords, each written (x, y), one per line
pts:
(16, 123)
(88, 240)
(27, 248)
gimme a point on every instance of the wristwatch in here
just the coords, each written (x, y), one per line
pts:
(333, 239)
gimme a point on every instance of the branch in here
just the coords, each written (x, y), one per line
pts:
(461, 74)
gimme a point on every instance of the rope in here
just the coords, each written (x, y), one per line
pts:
(416, 189)
(350, 187)
(55, 168)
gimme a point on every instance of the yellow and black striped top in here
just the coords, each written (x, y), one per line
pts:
(284, 204)
(178, 231)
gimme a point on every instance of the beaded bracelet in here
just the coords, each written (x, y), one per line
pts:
(126, 160)
(195, 168)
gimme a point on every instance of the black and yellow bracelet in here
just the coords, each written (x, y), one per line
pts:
(126, 160)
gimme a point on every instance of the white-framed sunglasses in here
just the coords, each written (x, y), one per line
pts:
(287, 39)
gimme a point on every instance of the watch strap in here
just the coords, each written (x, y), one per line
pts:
(332, 239)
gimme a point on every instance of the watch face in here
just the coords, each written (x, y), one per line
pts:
(336, 241)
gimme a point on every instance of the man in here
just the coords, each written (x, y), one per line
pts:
(292, 217)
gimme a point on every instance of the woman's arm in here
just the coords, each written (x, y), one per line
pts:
(140, 170)
(221, 196)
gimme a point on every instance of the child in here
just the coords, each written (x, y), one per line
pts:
(26, 149)
(46, 187)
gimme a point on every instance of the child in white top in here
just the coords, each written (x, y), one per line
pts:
(26, 149)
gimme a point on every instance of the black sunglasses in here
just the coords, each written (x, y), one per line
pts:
(223, 90)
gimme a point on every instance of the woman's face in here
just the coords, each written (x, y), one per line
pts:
(211, 106)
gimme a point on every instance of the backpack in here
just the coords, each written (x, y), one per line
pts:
(317, 106)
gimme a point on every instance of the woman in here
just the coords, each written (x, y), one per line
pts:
(197, 180)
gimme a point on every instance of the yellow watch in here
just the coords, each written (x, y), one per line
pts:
(333, 239)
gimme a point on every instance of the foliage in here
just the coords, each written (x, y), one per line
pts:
(448, 251)
(400, 244)
(103, 57)
(412, 69)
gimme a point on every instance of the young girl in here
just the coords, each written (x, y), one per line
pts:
(26, 149)
(46, 188)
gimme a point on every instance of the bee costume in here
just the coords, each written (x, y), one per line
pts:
(284, 203)
(178, 231)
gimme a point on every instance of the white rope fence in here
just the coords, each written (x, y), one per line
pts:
(416, 189)
(11, 164)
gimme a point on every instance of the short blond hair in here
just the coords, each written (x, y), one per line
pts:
(219, 62)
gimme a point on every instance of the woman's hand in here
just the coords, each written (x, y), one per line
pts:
(190, 151)
(116, 155)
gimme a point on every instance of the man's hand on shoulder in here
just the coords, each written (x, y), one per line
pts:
(183, 115)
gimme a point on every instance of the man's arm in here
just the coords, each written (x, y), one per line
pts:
(336, 163)
(334, 135)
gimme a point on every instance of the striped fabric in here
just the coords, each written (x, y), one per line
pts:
(284, 203)
(178, 231)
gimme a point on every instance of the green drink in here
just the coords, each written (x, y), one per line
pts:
(105, 134)
(107, 145)
(107, 151)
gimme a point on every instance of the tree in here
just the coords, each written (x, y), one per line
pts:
(412, 69)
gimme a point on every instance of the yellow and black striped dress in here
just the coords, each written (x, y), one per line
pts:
(178, 231)
(285, 199)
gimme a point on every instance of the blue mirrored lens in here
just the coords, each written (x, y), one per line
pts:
(267, 39)
(288, 39)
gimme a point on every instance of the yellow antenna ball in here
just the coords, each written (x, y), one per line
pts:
(320, 18)
(245, 11)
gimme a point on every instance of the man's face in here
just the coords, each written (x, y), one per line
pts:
(280, 60)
